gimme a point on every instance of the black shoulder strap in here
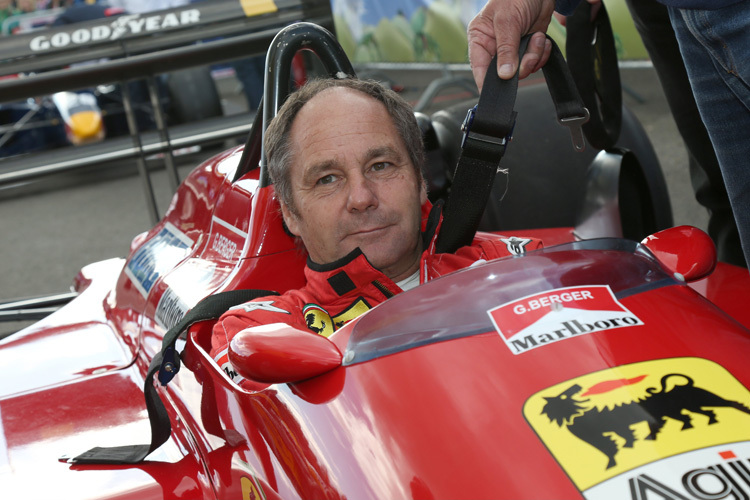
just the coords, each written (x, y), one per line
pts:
(487, 130)
(167, 364)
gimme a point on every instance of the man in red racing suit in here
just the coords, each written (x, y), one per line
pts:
(340, 291)
(346, 159)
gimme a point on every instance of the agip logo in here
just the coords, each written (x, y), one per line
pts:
(657, 429)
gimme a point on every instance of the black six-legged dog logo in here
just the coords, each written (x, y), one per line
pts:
(590, 425)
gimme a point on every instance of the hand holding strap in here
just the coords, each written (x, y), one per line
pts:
(488, 129)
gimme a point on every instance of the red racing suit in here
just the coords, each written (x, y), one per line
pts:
(340, 291)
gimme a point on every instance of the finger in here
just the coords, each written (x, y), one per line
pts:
(532, 58)
(508, 39)
(545, 56)
(481, 47)
(547, 53)
(507, 59)
(479, 71)
(479, 59)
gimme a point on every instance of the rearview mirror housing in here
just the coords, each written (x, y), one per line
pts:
(279, 353)
(684, 250)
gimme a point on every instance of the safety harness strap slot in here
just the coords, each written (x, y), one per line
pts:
(166, 363)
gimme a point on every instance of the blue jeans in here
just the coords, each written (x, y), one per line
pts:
(715, 46)
(652, 21)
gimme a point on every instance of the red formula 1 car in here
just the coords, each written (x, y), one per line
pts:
(594, 368)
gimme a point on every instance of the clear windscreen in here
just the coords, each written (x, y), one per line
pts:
(456, 305)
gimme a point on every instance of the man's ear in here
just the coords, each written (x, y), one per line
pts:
(423, 193)
(290, 219)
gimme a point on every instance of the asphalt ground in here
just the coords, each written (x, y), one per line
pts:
(51, 228)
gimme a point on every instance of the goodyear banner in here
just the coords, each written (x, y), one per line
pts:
(430, 31)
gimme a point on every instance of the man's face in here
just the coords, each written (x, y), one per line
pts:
(354, 184)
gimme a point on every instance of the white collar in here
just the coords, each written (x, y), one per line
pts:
(410, 282)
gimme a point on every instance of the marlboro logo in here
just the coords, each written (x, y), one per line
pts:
(544, 318)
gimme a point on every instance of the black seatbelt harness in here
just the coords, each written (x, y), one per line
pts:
(488, 128)
(166, 363)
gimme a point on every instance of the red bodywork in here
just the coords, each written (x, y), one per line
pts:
(449, 407)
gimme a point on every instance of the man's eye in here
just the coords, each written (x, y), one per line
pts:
(327, 179)
(380, 166)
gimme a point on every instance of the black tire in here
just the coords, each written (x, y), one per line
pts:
(633, 137)
(192, 96)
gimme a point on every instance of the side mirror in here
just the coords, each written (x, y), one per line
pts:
(685, 250)
(279, 353)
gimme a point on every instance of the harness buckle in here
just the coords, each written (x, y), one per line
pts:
(575, 124)
(466, 129)
(170, 365)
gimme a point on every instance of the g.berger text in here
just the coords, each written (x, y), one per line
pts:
(547, 301)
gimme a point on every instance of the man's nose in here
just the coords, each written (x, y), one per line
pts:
(362, 195)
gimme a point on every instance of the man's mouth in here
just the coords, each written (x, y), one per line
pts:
(369, 231)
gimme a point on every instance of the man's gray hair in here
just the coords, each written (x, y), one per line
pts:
(278, 147)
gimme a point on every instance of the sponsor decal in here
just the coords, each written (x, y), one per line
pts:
(122, 26)
(222, 359)
(260, 305)
(185, 286)
(223, 246)
(719, 472)
(158, 255)
(226, 240)
(319, 321)
(555, 315)
(170, 309)
(252, 489)
(515, 245)
(668, 429)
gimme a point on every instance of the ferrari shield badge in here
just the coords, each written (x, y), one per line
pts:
(543, 318)
(668, 429)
